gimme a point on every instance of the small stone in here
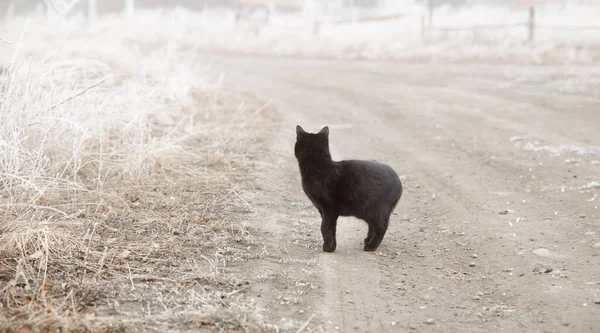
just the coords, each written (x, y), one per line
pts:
(479, 293)
(412, 327)
(355, 327)
(429, 321)
(348, 292)
(542, 252)
(565, 324)
(393, 323)
(421, 229)
(477, 298)
(582, 216)
(474, 256)
(300, 311)
(471, 264)
(597, 245)
(541, 268)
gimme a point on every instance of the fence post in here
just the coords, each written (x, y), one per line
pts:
(130, 8)
(92, 10)
(430, 9)
(423, 28)
(430, 5)
(10, 11)
(531, 24)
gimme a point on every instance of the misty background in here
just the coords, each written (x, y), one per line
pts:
(390, 23)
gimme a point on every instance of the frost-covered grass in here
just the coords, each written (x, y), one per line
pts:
(79, 106)
(78, 112)
(318, 34)
(117, 157)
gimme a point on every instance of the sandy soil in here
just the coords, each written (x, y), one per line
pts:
(498, 228)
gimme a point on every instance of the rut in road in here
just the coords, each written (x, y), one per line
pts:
(463, 250)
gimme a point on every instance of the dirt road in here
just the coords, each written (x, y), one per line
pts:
(498, 228)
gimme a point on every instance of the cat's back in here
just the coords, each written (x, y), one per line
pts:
(369, 167)
(365, 172)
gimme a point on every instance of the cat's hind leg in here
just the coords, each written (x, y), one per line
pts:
(379, 227)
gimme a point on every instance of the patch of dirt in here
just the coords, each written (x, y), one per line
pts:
(462, 252)
(491, 233)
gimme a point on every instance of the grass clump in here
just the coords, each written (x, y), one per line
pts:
(122, 173)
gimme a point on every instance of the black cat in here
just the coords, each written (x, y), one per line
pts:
(364, 189)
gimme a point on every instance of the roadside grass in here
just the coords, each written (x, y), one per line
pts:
(122, 178)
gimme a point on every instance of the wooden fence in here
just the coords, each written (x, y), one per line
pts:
(531, 25)
(429, 28)
(427, 25)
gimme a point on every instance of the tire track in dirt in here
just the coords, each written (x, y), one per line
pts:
(422, 269)
(372, 315)
(490, 173)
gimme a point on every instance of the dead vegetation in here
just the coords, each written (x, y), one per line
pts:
(164, 239)
(122, 193)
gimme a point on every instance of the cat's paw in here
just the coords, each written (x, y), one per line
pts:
(329, 247)
(370, 248)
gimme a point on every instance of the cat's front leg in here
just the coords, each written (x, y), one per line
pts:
(328, 229)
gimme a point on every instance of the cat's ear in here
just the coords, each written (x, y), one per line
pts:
(325, 131)
(299, 130)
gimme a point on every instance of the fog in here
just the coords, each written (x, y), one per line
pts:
(477, 30)
(149, 180)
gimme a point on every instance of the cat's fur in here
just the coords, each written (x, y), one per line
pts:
(363, 189)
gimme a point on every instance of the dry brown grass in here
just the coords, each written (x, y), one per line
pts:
(178, 228)
(122, 195)
(172, 232)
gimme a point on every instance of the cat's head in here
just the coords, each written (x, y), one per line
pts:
(309, 144)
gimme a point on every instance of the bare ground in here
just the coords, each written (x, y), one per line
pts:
(498, 228)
